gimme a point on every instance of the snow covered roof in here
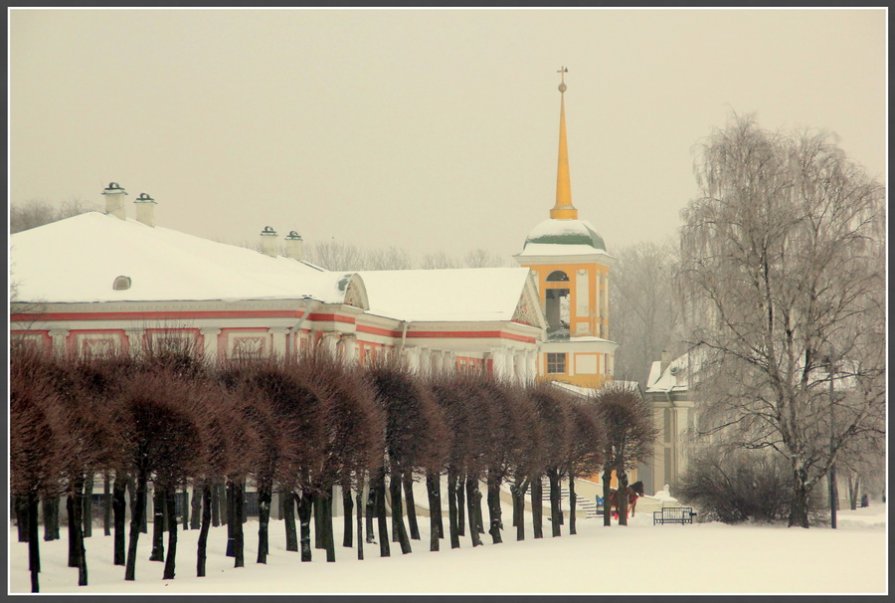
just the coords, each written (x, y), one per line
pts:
(78, 260)
(675, 377)
(462, 294)
(563, 237)
(584, 392)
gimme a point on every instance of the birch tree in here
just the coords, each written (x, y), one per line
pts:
(783, 271)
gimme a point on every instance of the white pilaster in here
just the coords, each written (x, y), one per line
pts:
(58, 337)
(210, 342)
(134, 341)
(278, 347)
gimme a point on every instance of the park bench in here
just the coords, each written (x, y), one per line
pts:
(679, 515)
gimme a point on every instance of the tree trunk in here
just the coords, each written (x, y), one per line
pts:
(439, 511)
(572, 500)
(265, 495)
(50, 505)
(555, 519)
(196, 507)
(360, 515)
(136, 516)
(185, 508)
(215, 505)
(305, 506)
(434, 510)
(202, 546)
(318, 521)
(347, 515)
(33, 501)
(382, 520)
(607, 510)
(494, 512)
(411, 505)
(88, 505)
(170, 496)
(461, 504)
(798, 506)
(371, 509)
(453, 528)
(77, 554)
(158, 524)
(119, 507)
(537, 507)
(238, 516)
(472, 484)
(519, 510)
(107, 504)
(287, 504)
(326, 517)
(21, 507)
(227, 508)
(853, 492)
(395, 481)
(72, 530)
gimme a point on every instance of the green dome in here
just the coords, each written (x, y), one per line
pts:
(565, 232)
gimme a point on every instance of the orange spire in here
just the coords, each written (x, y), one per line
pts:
(563, 210)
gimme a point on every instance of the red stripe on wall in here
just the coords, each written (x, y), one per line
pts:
(332, 318)
(159, 315)
(378, 331)
(471, 335)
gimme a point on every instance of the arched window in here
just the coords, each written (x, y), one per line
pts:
(557, 275)
(121, 283)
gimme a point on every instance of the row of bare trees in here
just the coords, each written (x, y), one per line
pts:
(299, 429)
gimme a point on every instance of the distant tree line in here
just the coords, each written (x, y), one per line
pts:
(167, 421)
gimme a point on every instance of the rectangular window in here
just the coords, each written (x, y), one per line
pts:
(556, 363)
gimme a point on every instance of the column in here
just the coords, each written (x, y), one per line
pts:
(58, 337)
(331, 342)
(210, 342)
(134, 341)
(531, 363)
(412, 358)
(423, 361)
(449, 362)
(498, 360)
(278, 347)
(348, 348)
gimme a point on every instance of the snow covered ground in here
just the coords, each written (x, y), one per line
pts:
(642, 558)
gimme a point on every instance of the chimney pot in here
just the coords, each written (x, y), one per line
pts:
(269, 241)
(665, 360)
(294, 246)
(114, 195)
(145, 209)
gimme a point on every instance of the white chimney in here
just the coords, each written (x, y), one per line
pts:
(665, 360)
(294, 246)
(269, 241)
(145, 209)
(115, 200)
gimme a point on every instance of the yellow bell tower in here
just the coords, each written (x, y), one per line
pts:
(572, 268)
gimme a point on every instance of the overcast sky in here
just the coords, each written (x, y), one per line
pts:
(430, 130)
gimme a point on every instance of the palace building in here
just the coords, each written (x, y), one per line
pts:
(103, 283)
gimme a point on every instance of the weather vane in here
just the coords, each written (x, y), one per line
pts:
(562, 74)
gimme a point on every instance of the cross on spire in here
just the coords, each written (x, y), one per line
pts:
(562, 71)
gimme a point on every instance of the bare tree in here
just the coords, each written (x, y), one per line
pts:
(646, 316)
(482, 258)
(630, 435)
(783, 267)
(24, 216)
(438, 260)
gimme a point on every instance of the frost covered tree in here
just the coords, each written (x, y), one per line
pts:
(646, 316)
(31, 214)
(782, 264)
